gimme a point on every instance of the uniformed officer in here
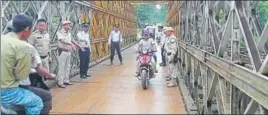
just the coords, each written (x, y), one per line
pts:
(84, 41)
(171, 51)
(40, 39)
(15, 66)
(115, 38)
(163, 44)
(66, 44)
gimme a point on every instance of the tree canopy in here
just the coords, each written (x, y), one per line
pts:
(262, 10)
(150, 14)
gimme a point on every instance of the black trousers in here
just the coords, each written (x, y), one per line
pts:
(84, 61)
(115, 46)
(163, 56)
(45, 95)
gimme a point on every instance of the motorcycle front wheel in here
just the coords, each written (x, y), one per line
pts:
(144, 80)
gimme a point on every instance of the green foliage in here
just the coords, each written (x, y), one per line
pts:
(262, 10)
(221, 17)
(150, 14)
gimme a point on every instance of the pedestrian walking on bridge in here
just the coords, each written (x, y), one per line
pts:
(115, 39)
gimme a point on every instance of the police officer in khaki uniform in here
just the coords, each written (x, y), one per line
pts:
(66, 44)
(171, 52)
(40, 39)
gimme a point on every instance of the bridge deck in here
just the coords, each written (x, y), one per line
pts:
(114, 90)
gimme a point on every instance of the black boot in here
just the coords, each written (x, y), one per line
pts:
(87, 75)
(82, 76)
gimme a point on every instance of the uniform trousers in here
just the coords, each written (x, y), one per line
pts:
(115, 46)
(64, 67)
(45, 63)
(84, 61)
(172, 69)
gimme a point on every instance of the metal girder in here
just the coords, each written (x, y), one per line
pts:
(245, 28)
(226, 34)
(237, 61)
(263, 38)
(246, 80)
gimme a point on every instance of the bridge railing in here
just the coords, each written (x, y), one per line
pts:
(102, 15)
(222, 64)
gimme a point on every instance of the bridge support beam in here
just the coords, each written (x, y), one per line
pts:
(220, 36)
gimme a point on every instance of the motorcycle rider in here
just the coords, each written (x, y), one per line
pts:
(15, 66)
(148, 44)
(45, 95)
(171, 52)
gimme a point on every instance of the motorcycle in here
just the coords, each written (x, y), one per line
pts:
(146, 71)
(36, 81)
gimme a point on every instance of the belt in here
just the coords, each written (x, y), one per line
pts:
(115, 41)
(24, 86)
(43, 57)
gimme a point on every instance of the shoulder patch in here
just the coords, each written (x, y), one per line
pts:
(172, 40)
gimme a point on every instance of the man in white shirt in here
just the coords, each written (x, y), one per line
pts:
(84, 41)
(45, 95)
(115, 39)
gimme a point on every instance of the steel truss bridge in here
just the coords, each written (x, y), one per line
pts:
(218, 74)
(221, 75)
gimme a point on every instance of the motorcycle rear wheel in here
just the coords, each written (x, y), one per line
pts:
(144, 80)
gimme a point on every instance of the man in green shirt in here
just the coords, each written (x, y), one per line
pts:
(15, 66)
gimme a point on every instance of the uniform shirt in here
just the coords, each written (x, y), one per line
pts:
(36, 60)
(41, 42)
(146, 44)
(65, 36)
(115, 37)
(15, 60)
(171, 45)
(83, 39)
(162, 38)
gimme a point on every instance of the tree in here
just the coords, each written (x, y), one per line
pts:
(150, 14)
(262, 10)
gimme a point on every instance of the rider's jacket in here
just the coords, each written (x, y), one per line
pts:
(147, 44)
(15, 60)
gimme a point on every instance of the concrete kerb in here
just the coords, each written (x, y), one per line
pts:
(52, 83)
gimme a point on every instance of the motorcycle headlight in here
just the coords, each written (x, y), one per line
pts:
(144, 51)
